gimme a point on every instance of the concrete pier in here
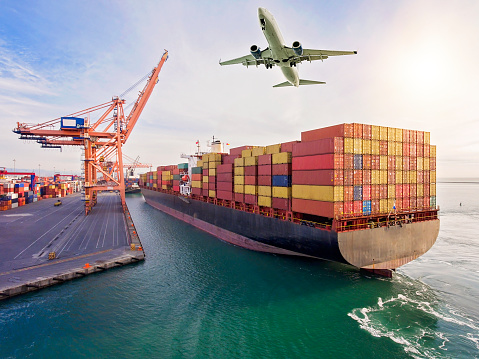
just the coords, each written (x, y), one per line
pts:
(43, 245)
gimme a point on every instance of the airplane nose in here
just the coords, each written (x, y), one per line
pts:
(261, 11)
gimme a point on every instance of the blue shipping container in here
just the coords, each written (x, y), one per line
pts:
(366, 207)
(358, 162)
(282, 181)
(358, 193)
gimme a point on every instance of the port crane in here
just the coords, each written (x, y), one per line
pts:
(101, 139)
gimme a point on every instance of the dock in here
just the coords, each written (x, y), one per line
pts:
(43, 245)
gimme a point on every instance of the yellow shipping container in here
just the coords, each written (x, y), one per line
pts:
(399, 149)
(199, 163)
(432, 176)
(271, 149)
(427, 138)
(258, 151)
(239, 171)
(213, 164)
(358, 146)
(264, 191)
(375, 147)
(383, 206)
(239, 162)
(420, 163)
(399, 135)
(155, 185)
(367, 147)
(250, 189)
(391, 134)
(383, 177)
(211, 193)
(283, 157)
(246, 153)
(391, 148)
(432, 189)
(264, 201)
(383, 133)
(214, 157)
(212, 172)
(348, 145)
(196, 184)
(383, 162)
(239, 180)
(205, 179)
(164, 186)
(391, 205)
(375, 177)
(317, 193)
(412, 177)
(399, 163)
(206, 165)
(239, 188)
(391, 191)
(405, 177)
(426, 164)
(420, 190)
(205, 157)
(375, 132)
(281, 192)
(399, 178)
(250, 161)
(432, 151)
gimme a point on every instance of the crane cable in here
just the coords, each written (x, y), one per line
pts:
(132, 87)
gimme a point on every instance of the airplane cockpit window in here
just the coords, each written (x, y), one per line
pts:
(263, 23)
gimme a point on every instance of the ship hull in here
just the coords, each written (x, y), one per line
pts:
(375, 249)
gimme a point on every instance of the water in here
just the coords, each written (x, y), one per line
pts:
(198, 297)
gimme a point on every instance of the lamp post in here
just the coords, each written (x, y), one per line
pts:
(14, 160)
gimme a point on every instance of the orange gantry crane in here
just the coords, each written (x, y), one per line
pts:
(101, 139)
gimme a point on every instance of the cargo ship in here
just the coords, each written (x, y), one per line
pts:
(357, 194)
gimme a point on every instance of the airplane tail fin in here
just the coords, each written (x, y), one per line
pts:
(301, 82)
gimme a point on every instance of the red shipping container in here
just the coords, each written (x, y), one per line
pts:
(318, 177)
(239, 197)
(224, 177)
(250, 180)
(212, 186)
(405, 148)
(318, 162)
(224, 186)
(288, 146)
(375, 192)
(391, 177)
(176, 171)
(230, 159)
(391, 162)
(375, 162)
(406, 190)
(281, 203)
(366, 176)
(342, 130)
(224, 168)
(348, 209)
(427, 177)
(250, 171)
(412, 190)
(205, 173)
(366, 192)
(176, 188)
(348, 161)
(228, 195)
(357, 130)
(375, 206)
(427, 202)
(358, 177)
(427, 190)
(250, 199)
(413, 163)
(432, 163)
(264, 180)
(399, 192)
(412, 149)
(348, 193)
(237, 150)
(367, 131)
(283, 169)
(383, 148)
(406, 204)
(211, 179)
(205, 193)
(205, 186)
(420, 177)
(420, 150)
(383, 191)
(406, 163)
(319, 147)
(264, 160)
(264, 170)
(358, 208)
(419, 202)
(399, 204)
(413, 136)
(367, 162)
(318, 208)
(196, 191)
(420, 137)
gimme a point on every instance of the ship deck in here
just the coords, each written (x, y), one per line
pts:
(30, 233)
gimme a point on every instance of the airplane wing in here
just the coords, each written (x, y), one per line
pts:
(311, 54)
(250, 60)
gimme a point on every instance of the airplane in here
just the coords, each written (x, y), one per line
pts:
(278, 54)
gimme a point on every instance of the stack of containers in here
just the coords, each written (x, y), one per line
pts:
(214, 160)
(176, 180)
(251, 174)
(281, 180)
(197, 179)
(265, 181)
(224, 181)
(166, 177)
(239, 179)
(320, 181)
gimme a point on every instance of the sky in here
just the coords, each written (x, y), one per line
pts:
(416, 68)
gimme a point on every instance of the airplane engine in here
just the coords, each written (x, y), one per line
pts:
(255, 51)
(297, 48)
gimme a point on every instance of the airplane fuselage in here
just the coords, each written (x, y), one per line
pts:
(276, 45)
